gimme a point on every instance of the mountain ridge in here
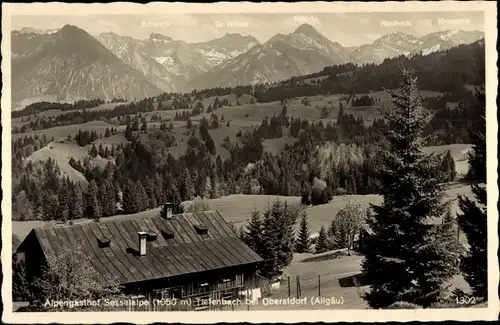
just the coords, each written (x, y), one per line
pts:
(160, 63)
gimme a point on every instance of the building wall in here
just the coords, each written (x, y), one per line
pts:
(32, 253)
(198, 289)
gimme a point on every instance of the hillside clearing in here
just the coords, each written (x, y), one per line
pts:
(20, 121)
(61, 152)
(277, 145)
(62, 132)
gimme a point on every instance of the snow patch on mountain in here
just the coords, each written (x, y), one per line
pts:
(165, 60)
(446, 36)
(213, 54)
(435, 48)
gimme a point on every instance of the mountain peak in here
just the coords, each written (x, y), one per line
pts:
(158, 36)
(71, 28)
(72, 32)
(396, 37)
(236, 37)
(306, 29)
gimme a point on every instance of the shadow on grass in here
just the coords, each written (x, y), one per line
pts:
(356, 280)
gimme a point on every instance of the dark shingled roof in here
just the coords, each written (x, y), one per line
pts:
(187, 251)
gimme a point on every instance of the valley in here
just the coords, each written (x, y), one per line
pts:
(328, 163)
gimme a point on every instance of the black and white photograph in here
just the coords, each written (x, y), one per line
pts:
(249, 158)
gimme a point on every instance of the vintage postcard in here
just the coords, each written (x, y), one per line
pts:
(249, 162)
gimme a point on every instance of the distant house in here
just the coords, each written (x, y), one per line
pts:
(360, 239)
(191, 255)
(452, 105)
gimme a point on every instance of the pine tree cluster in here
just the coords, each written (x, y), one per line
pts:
(271, 235)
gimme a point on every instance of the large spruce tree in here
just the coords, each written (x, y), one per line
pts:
(407, 259)
(473, 219)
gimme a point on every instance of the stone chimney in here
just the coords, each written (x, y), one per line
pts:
(142, 242)
(168, 210)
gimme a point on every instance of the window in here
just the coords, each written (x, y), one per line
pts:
(201, 229)
(103, 242)
(167, 234)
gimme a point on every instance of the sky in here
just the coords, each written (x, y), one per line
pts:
(348, 29)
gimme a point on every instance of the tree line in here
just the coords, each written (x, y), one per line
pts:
(436, 71)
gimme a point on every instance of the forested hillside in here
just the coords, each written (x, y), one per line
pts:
(336, 155)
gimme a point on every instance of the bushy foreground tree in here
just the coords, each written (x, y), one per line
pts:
(346, 226)
(70, 276)
(408, 260)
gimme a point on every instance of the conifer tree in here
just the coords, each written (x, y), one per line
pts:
(177, 207)
(77, 202)
(322, 241)
(473, 219)
(284, 232)
(112, 197)
(448, 167)
(303, 242)
(107, 196)
(142, 197)
(151, 192)
(94, 209)
(253, 234)
(161, 196)
(63, 199)
(340, 239)
(331, 229)
(277, 244)
(448, 220)
(103, 198)
(207, 191)
(93, 151)
(407, 260)
(130, 204)
(187, 188)
(290, 215)
(268, 251)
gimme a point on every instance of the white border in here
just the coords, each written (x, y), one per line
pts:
(462, 314)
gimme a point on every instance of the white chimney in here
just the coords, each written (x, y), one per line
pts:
(142, 242)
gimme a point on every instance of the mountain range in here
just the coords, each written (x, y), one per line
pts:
(171, 64)
(396, 44)
(70, 64)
